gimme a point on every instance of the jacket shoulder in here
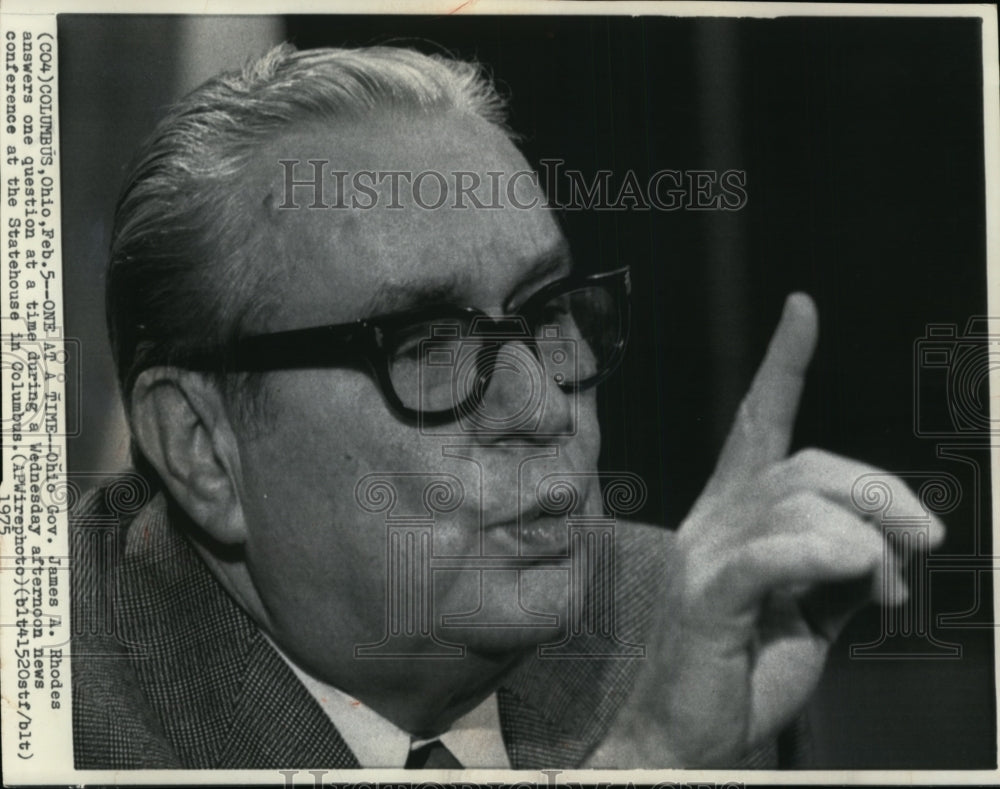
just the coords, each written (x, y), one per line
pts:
(114, 726)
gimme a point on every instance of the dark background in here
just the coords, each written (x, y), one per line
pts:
(862, 140)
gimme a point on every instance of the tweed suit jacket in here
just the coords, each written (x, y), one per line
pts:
(169, 672)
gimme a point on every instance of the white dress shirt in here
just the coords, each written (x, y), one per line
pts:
(474, 739)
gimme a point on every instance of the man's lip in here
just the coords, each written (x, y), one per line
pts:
(534, 532)
(521, 518)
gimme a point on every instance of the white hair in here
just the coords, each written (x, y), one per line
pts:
(184, 270)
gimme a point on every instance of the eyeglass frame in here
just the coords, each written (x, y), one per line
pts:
(333, 345)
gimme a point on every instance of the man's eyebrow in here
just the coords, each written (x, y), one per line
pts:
(541, 268)
(392, 296)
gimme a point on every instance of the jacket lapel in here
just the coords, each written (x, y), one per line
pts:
(224, 697)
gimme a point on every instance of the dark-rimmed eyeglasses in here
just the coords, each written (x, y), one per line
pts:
(436, 363)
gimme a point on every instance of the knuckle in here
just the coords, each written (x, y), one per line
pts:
(798, 507)
(813, 456)
(782, 472)
(804, 463)
(815, 464)
(795, 472)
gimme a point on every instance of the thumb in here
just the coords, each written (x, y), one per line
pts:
(763, 427)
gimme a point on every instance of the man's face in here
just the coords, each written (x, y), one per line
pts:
(317, 557)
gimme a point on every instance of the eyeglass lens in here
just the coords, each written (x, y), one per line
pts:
(439, 364)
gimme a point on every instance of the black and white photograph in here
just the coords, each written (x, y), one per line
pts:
(561, 393)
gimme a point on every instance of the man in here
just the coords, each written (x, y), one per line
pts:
(319, 355)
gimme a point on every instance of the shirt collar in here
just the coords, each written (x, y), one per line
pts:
(475, 739)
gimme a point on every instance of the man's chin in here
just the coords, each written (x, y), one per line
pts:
(497, 643)
(502, 611)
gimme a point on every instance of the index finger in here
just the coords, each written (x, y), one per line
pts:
(765, 420)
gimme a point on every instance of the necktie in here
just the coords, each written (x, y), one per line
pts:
(432, 756)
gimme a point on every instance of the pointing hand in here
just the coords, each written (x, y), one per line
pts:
(766, 570)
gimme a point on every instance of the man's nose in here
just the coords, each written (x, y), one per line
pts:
(523, 397)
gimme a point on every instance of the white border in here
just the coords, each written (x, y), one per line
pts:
(504, 7)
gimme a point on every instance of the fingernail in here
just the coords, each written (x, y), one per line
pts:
(798, 302)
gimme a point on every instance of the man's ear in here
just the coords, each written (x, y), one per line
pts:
(182, 427)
